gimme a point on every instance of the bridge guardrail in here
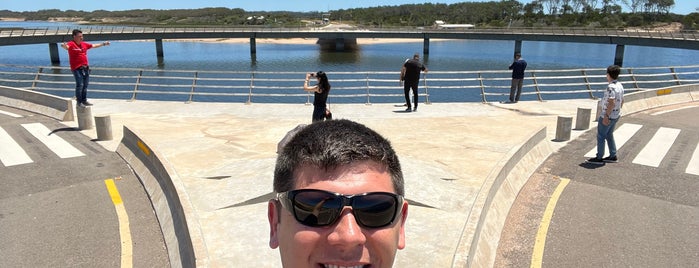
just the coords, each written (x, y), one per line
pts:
(579, 31)
(347, 87)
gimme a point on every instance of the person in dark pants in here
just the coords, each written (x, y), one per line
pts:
(320, 92)
(77, 54)
(410, 78)
(518, 66)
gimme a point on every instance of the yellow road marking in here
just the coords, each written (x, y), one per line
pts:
(540, 242)
(124, 231)
(143, 147)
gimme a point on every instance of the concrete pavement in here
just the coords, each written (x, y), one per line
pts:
(223, 155)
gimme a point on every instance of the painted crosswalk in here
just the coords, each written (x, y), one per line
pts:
(658, 146)
(655, 150)
(621, 135)
(12, 152)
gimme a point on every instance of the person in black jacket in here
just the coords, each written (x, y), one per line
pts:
(410, 78)
(518, 66)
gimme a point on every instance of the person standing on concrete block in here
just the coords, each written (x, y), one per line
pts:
(518, 66)
(410, 78)
(77, 54)
(611, 104)
(339, 198)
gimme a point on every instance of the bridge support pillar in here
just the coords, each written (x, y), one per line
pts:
(339, 44)
(53, 51)
(518, 47)
(426, 46)
(159, 48)
(619, 55)
(253, 46)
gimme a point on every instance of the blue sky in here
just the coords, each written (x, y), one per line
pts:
(681, 6)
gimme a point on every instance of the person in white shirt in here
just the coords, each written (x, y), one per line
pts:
(611, 104)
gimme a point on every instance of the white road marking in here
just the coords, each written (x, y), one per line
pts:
(693, 166)
(672, 110)
(10, 114)
(11, 153)
(622, 134)
(658, 146)
(58, 145)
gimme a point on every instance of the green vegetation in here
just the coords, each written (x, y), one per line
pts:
(538, 13)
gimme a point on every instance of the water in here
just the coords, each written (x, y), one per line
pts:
(451, 55)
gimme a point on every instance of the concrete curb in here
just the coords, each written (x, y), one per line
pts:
(38, 102)
(181, 231)
(498, 192)
(478, 244)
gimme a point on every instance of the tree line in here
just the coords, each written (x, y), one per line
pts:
(505, 13)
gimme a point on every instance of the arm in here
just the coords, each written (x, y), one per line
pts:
(106, 43)
(402, 73)
(311, 88)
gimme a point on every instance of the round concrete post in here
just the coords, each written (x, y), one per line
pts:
(582, 120)
(84, 118)
(563, 128)
(103, 124)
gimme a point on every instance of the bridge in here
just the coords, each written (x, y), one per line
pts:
(339, 36)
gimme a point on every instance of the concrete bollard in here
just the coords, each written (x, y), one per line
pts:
(599, 110)
(582, 120)
(103, 124)
(84, 117)
(563, 128)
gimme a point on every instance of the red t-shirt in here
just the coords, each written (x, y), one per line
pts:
(77, 53)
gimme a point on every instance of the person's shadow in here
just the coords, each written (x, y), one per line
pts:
(591, 166)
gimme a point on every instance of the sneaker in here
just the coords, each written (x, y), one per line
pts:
(81, 105)
(415, 109)
(595, 161)
(86, 103)
(408, 110)
(610, 159)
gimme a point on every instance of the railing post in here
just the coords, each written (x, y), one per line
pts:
(36, 77)
(633, 78)
(252, 85)
(194, 85)
(587, 84)
(480, 80)
(368, 92)
(138, 82)
(427, 93)
(674, 75)
(536, 86)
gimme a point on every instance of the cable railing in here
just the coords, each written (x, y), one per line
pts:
(347, 87)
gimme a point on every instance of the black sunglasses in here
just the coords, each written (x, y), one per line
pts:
(316, 208)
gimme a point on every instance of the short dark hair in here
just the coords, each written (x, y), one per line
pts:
(613, 71)
(330, 144)
(76, 32)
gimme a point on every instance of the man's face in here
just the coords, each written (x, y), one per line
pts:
(78, 37)
(345, 243)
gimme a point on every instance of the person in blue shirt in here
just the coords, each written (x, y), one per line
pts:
(518, 66)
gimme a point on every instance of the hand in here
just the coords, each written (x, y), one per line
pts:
(605, 121)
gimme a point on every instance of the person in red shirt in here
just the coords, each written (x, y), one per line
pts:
(77, 54)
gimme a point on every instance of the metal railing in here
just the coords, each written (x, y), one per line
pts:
(347, 87)
(566, 31)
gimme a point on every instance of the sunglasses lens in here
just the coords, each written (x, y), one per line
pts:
(316, 208)
(375, 210)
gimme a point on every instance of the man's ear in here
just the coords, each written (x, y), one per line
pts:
(404, 216)
(273, 218)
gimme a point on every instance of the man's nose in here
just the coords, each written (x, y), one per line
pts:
(347, 232)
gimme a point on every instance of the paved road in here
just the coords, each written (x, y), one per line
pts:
(640, 212)
(55, 208)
